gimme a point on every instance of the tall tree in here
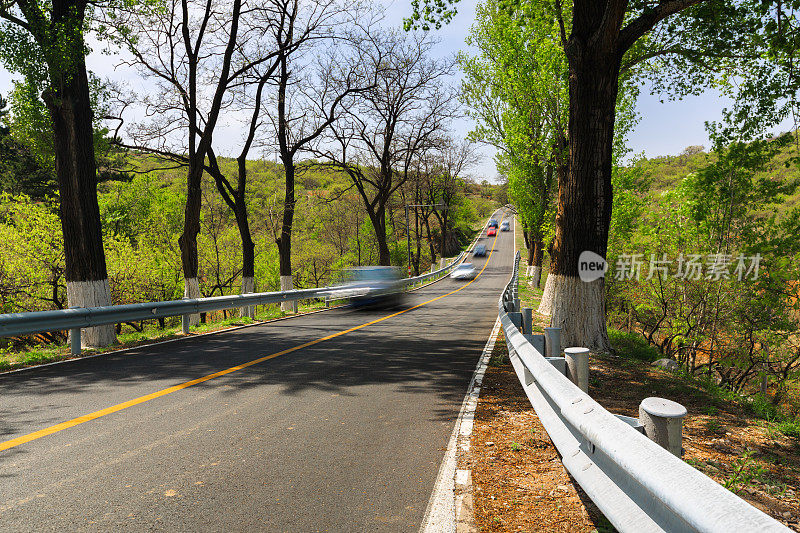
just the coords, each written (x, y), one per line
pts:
(516, 90)
(318, 69)
(406, 110)
(690, 43)
(194, 53)
(446, 185)
(44, 41)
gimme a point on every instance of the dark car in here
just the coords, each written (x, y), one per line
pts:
(492, 223)
(479, 250)
(374, 286)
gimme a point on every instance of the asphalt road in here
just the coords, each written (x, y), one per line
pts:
(346, 434)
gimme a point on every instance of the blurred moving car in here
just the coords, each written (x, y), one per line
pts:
(464, 271)
(505, 226)
(371, 286)
(491, 232)
(479, 250)
(492, 223)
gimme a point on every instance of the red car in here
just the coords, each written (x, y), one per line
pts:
(491, 232)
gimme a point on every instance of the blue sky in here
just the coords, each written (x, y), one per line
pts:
(663, 129)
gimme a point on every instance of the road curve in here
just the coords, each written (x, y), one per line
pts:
(345, 434)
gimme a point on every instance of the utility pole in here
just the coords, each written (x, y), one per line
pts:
(408, 228)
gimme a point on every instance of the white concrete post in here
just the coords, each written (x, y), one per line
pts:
(75, 341)
(442, 262)
(663, 423)
(185, 321)
(552, 342)
(578, 366)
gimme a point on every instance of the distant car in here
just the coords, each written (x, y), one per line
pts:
(505, 226)
(492, 223)
(374, 286)
(491, 232)
(464, 271)
(479, 250)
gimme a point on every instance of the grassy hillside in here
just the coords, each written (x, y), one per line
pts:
(142, 216)
(665, 172)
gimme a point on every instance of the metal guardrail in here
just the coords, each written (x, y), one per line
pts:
(638, 485)
(77, 318)
(16, 324)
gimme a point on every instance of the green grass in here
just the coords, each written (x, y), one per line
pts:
(632, 346)
(790, 428)
(714, 426)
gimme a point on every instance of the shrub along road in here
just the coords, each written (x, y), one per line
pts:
(345, 434)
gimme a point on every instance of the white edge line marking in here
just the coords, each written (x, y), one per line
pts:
(440, 515)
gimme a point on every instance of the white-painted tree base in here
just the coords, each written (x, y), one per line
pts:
(536, 276)
(248, 287)
(191, 289)
(92, 294)
(578, 308)
(546, 305)
(287, 285)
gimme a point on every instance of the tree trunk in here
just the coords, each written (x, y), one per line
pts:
(248, 247)
(444, 251)
(248, 256)
(548, 296)
(191, 228)
(418, 257)
(585, 196)
(284, 242)
(527, 242)
(378, 219)
(536, 263)
(73, 142)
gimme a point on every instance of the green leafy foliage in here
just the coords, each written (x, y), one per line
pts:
(142, 219)
(731, 204)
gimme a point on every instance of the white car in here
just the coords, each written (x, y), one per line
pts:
(464, 271)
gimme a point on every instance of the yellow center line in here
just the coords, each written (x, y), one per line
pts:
(152, 396)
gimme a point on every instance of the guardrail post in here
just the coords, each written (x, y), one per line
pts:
(527, 320)
(552, 342)
(578, 366)
(442, 262)
(516, 319)
(663, 423)
(75, 341)
(185, 320)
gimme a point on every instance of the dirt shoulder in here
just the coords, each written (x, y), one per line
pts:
(519, 483)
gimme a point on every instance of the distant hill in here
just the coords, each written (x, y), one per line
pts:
(664, 172)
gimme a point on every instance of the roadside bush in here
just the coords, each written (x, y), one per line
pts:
(632, 345)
